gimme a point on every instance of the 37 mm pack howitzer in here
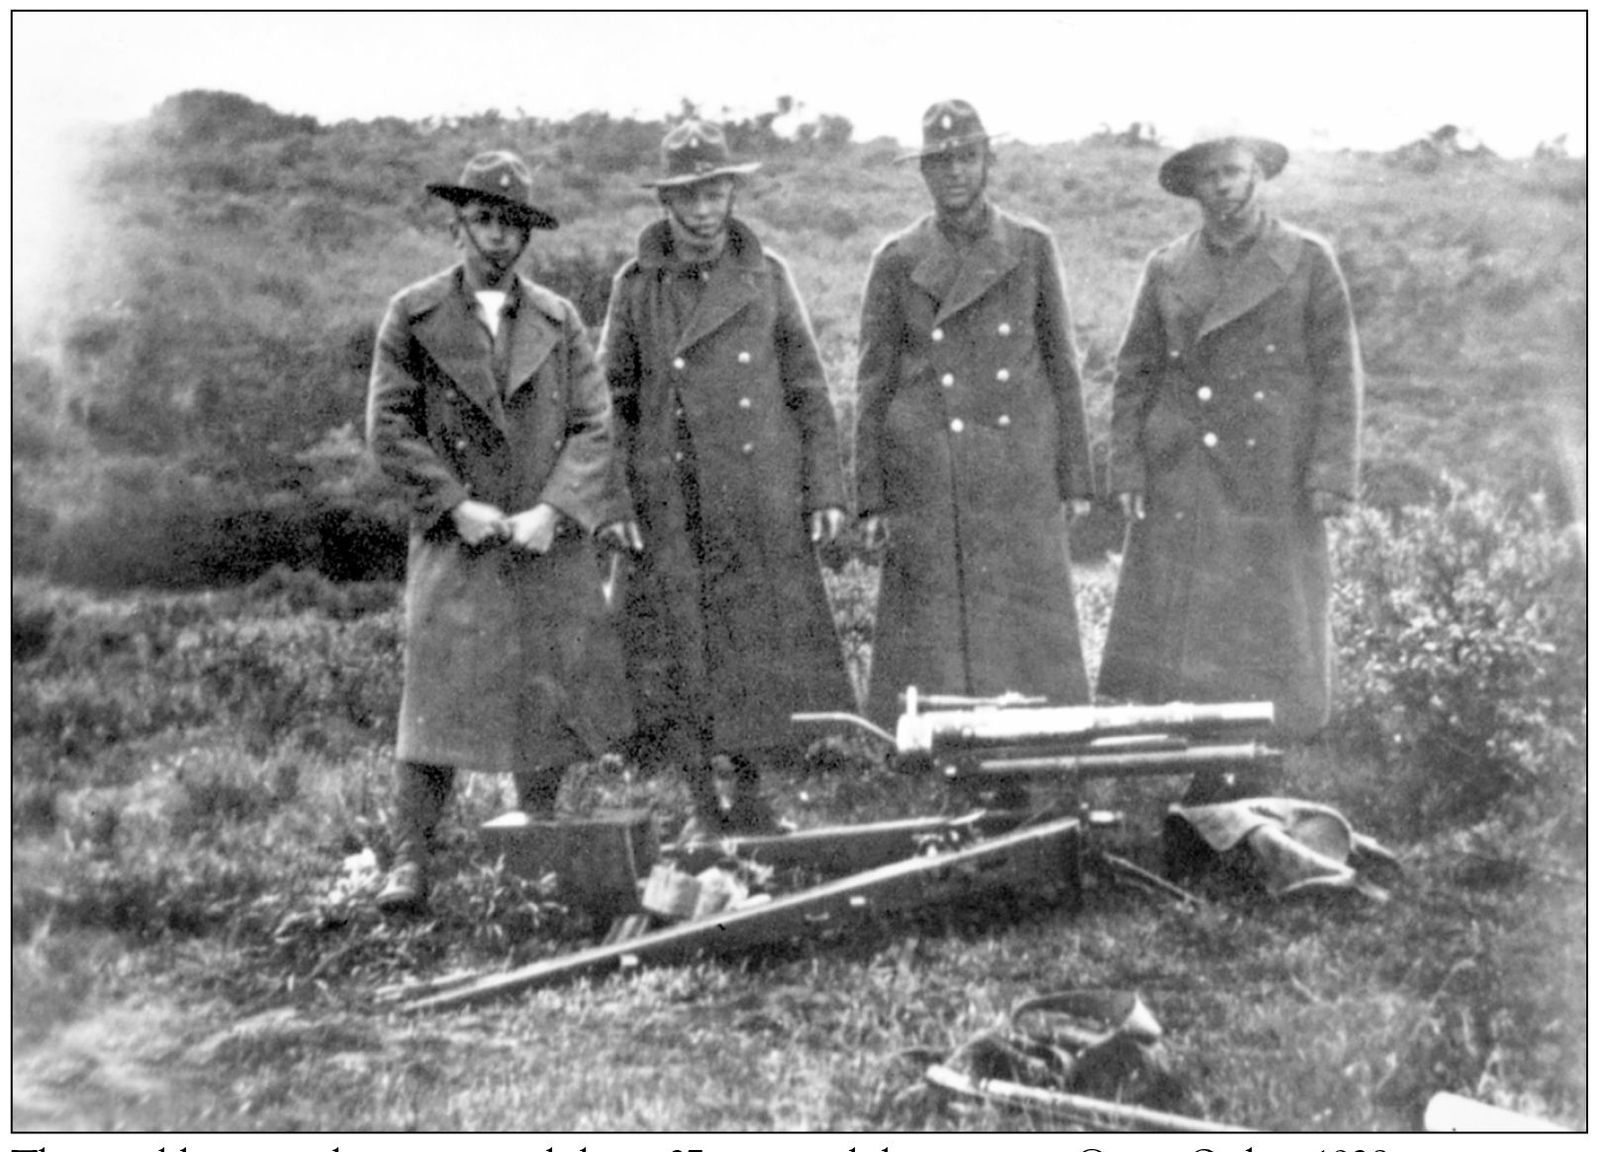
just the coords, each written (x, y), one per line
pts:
(990, 749)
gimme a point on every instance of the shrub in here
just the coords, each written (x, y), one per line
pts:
(101, 674)
(1462, 628)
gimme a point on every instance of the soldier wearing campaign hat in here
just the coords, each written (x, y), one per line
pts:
(972, 442)
(486, 405)
(1235, 436)
(735, 471)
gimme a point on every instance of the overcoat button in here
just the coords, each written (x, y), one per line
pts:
(1210, 439)
(1251, 441)
(462, 443)
(1270, 347)
(744, 402)
(1003, 328)
(558, 444)
(1003, 375)
(746, 449)
(947, 380)
(1175, 355)
(679, 363)
(1003, 420)
(957, 425)
(1205, 393)
(744, 358)
(936, 334)
(679, 456)
(1259, 396)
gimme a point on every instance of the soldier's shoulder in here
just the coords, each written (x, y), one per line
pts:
(1172, 252)
(775, 261)
(422, 295)
(1305, 238)
(907, 240)
(1020, 223)
(555, 305)
(629, 270)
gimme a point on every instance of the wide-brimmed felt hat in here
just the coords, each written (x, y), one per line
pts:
(695, 150)
(949, 124)
(1176, 174)
(499, 178)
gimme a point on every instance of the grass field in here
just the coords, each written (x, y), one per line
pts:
(188, 952)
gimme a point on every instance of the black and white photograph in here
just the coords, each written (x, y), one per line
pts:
(653, 579)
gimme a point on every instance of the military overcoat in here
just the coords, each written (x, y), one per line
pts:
(510, 660)
(1231, 405)
(971, 436)
(728, 623)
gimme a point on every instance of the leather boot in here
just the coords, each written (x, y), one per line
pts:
(537, 790)
(707, 811)
(421, 794)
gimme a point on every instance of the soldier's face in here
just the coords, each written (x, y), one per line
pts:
(698, 214)
(1226, 185)
(956, 178)
(490, 241)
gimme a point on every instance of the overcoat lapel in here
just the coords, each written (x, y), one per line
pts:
(1188, 285)
(955, 281)
(733, 288)
(456, 343)
(989, 260)
(938, 266)
(1263, 271)
(533, 336)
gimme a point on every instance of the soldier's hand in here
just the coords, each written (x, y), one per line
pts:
(535, 528)
(478, 523)
(876, 531)
(826, 524)
(1134, 505)
(1327, 504)
(625, 535)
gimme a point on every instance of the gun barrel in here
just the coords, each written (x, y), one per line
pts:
(980, 729)
(1168, 762)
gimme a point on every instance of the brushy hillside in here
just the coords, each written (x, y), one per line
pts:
(193, 367)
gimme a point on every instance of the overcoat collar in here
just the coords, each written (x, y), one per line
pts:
(1264, 269)
(453, 336)
(956, 281)
(735, 282)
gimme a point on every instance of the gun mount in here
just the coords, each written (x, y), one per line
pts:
(984, 746)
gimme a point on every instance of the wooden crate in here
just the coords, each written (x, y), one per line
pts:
(598, 859)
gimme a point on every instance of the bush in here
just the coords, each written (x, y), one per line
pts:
(1463, 631)
(102, 674)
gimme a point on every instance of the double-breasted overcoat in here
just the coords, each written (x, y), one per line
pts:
(1234, 400)
(510, 660)
(971, 436)
(730, 444)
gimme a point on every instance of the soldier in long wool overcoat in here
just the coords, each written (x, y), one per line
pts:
(1235, 436)
(733, 461)
(971, 441)
(487, 405)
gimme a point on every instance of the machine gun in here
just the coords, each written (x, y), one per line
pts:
(976, 741)
(987, 748)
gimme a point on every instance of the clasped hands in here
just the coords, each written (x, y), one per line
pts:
(533, 529)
